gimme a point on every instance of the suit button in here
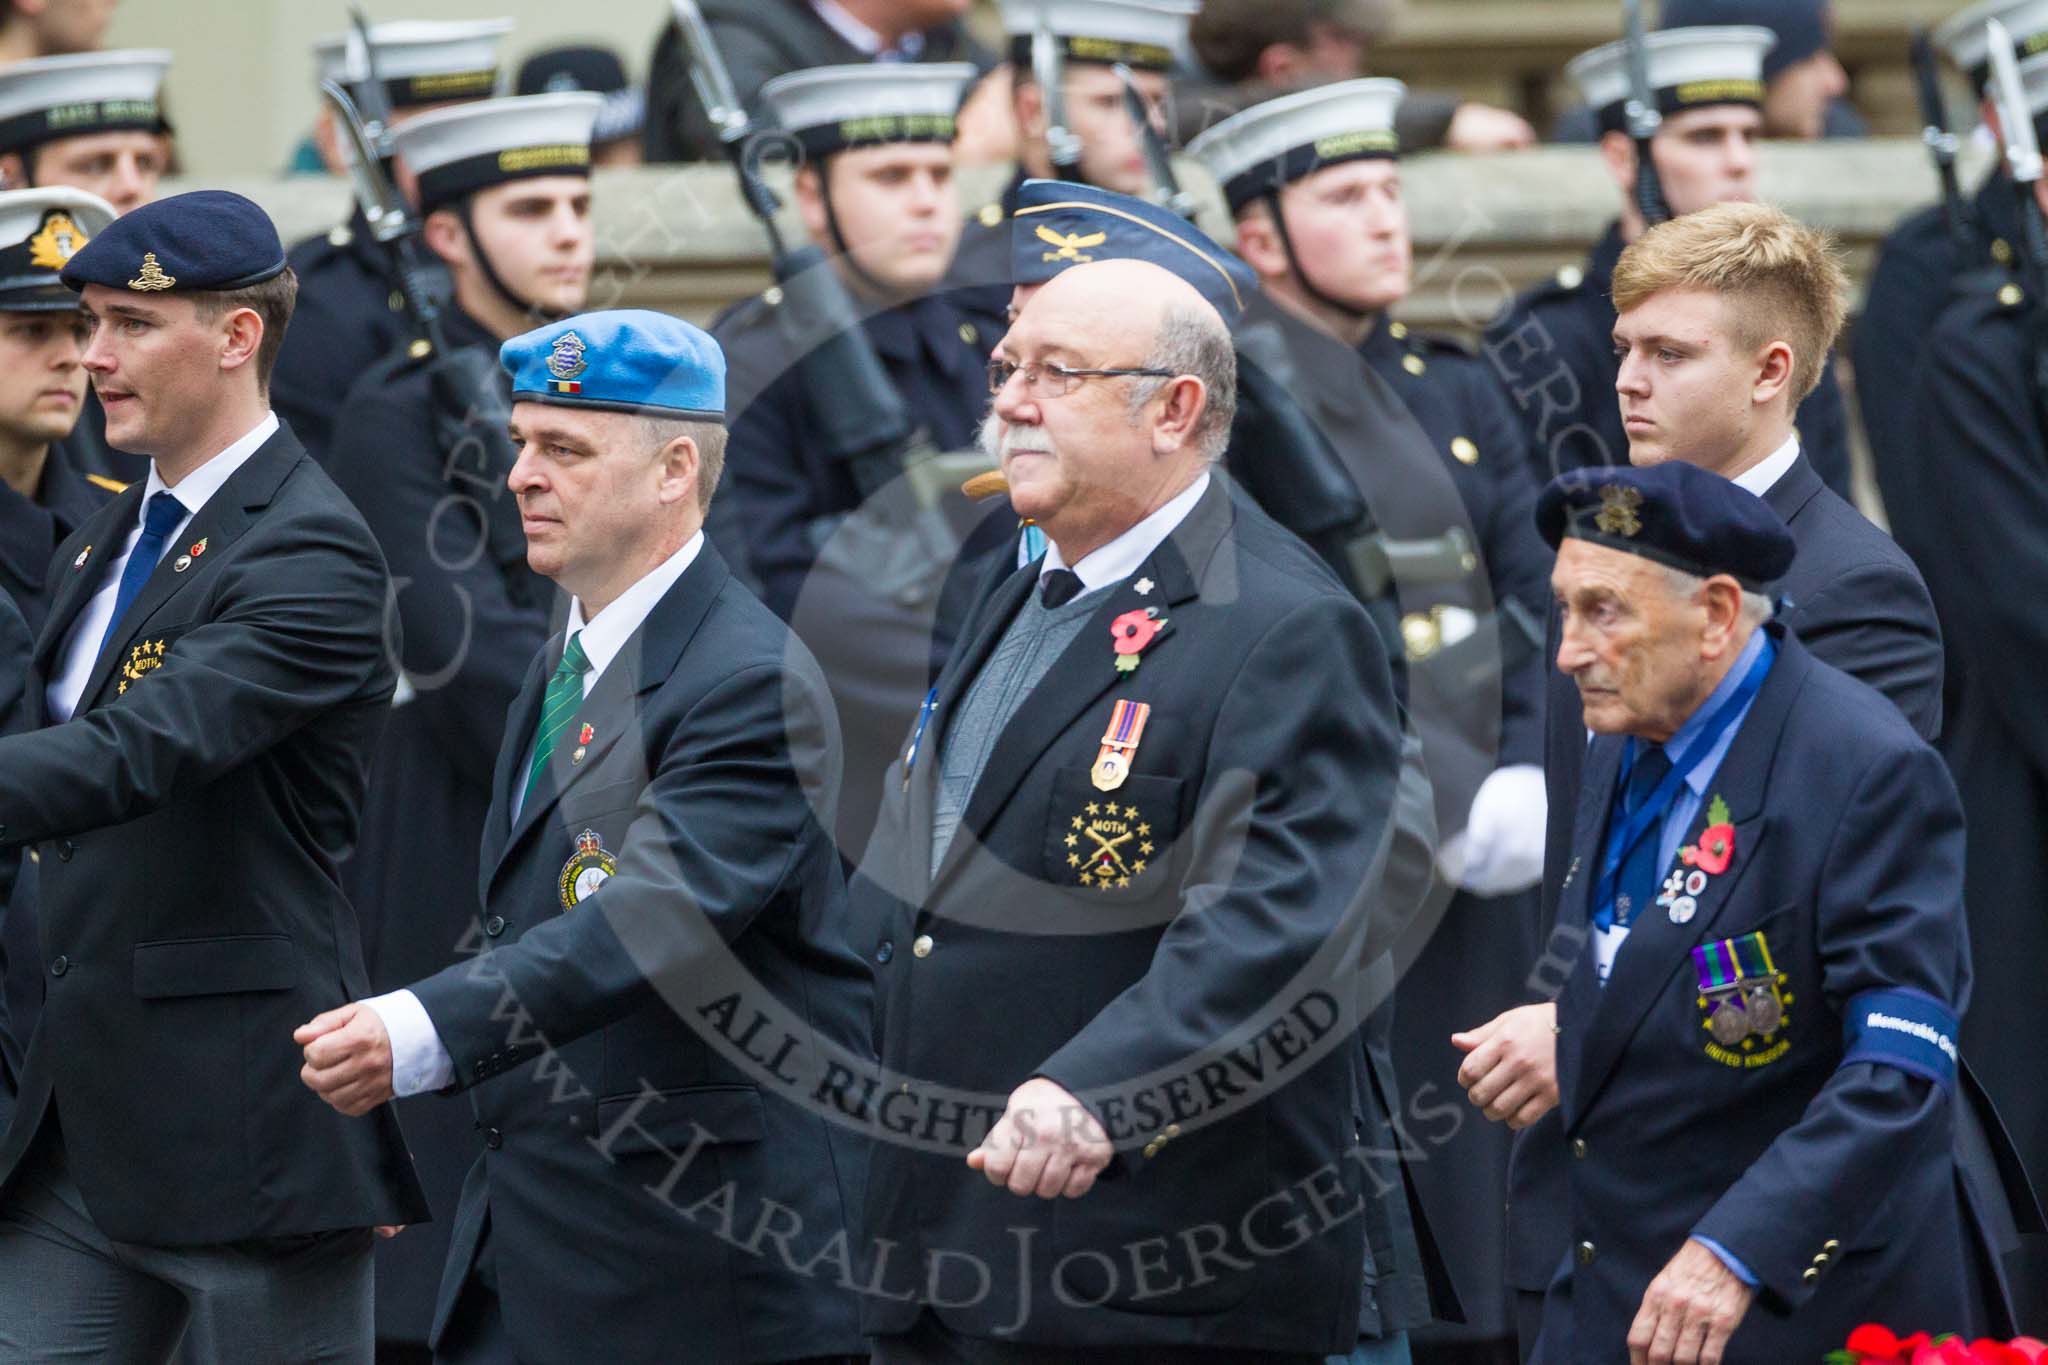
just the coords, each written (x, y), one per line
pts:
(1587, 1251)
(495, 925)
(60, 965)
(1579, 1148)
(482, 1067)
(921, 946)
(1821, 1260)
(1152, 1149)
(493, 1139)
(886, 951)
(1831, 1246)
(1811, 1276)
(1172, 1131)
(64, 850)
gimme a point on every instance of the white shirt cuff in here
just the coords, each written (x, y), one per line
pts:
(418, 1061)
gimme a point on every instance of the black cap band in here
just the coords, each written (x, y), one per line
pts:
(444, 185)
(1105, 51)
(1677, 99)
(874, 131)
(1266, 177)
(33, 129)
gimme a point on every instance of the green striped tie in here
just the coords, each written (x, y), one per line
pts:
(559, 707)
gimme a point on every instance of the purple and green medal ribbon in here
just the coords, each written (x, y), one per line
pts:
(1726, 963)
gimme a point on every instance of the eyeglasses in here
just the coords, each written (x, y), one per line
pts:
(1056, 381)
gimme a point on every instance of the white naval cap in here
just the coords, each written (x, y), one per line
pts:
(1689, 68)
(420, 61)
(1963, 35)
(829, 108)
(40, 230)
(468, 147)
(1142, 34)
(1269, 145)
(81, 92)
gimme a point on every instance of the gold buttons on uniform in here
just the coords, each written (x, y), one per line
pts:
(990, 214)
(1423, 635)
(1413, 364)
(1463, 451)
(968, 334)
(921, 946)
(1587, 1251)
(339, 235)
(1152, 1149)
(1579, 1148)
(1831, 1246)
(772, 296)
(2010, 295)
(2001, 251)
(1570, 277)
(1398, 330)
(1811, 1277)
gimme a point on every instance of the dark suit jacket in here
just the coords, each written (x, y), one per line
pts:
(1856, 601)
(17, 707)
(760, 40)
(190, 818)
(1254, 818)
(708, 776)
(1835, 1185)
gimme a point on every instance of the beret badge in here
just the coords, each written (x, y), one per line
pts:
(565, 358)
(152, 277)
(1617, 515)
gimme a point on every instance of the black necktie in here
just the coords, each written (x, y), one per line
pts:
(1059, 587)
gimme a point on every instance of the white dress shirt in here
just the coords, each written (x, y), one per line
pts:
(1120, 558)
(1761, 476)
(419, 1061)
(841, 21)
(81, 648)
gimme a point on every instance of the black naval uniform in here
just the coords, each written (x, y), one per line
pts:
(1916, 278)
(1555, 350)
(466, 646)
(18, 709)
(1980, 422)
(348, 317)
(31, 529)
(1459, 965)
(783, 492)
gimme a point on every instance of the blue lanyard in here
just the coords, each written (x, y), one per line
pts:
(1624, 837)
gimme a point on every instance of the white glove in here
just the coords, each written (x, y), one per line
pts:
(1500, 850)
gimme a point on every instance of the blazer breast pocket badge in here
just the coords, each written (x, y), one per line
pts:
(588, 868)
(1744, 1006)
(145, 657)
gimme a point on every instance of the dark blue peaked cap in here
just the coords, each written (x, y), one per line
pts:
(1675, 513)
(1059, 223)
(208, 239)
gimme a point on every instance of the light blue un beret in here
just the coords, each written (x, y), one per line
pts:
(623, 360)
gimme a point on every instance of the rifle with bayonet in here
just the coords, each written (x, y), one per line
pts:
(1942, 145)
(898, 541)
(2023, 163)
(1643, 117)
(1166, 190)
(1049, 72)
(472, 397)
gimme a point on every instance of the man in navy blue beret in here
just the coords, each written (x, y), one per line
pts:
(1755, 1042)
(214, 662)
(658, 839)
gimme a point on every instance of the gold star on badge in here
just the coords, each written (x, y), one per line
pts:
(1123, 881)
(1077, 822)
(1130, 812)
(1146, 848)
(1074, 860)
(1070, 841)
(1138, 866)
(1093, 808)
(1144, 830)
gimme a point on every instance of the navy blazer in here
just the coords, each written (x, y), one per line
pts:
(707, 775)
(190, 818)
(1836, 1185)
(15, 710)
(1857, 602)
(1256, 811)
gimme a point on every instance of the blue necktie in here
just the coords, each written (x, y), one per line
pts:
(1636, 886)
(163, 513)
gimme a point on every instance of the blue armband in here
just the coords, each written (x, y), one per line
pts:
(1906, 1029)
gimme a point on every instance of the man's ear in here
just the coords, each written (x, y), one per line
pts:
(241, 333)
(1029, 102)
(809, 187)
(1183, 400)
(1775, 364)
(1722, 598)
(682, 468)
(443, 234)
(1258, 243)
(14, 171)
(1618, 151)
(1280, 64)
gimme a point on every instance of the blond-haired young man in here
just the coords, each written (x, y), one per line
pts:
(1724, 321)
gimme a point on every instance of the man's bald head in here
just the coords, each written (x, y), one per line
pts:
(1090, 454)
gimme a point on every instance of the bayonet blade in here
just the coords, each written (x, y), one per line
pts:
(2015, 113)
